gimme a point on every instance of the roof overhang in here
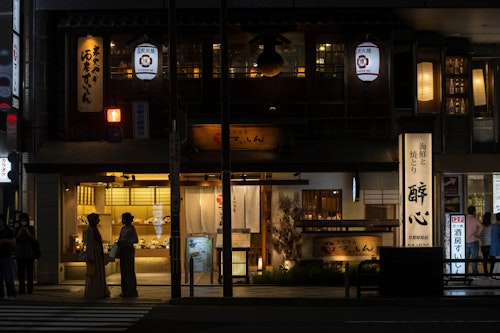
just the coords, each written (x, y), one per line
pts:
(152, 156)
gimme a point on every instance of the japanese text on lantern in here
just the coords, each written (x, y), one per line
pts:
(90, 82)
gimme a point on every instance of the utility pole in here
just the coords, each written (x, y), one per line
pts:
(226, 160)
(175, 147)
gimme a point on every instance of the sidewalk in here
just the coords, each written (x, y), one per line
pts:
(157, 290)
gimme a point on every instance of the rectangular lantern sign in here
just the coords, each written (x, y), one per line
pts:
(90, 74)
(417, 191)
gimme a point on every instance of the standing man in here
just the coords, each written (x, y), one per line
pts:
(25, 240)
(128, 237)
(473, 230)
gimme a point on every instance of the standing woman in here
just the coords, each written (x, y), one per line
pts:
(486, 243)
(95, 283)
(128, 237)
(25, 239)
(7, 240)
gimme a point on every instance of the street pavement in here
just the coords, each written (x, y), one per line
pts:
(251, 308)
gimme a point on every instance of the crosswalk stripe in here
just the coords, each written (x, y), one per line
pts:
(69, 318)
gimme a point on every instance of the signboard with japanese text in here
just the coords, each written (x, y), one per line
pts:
(455, 242)
(417, 189)
(347, 247)
(209, 137)
(5, 167)
(496, 193)
(140, 110)
(90, 74)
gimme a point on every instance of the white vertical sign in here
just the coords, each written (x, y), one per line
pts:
(418, 189)
(140, 110)
(5, 167)
(496, 193)
(16, 16)
(15, 64)
(457, 243)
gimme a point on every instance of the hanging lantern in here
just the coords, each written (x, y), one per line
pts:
(367, 61)
(425, 81)
(146, 61)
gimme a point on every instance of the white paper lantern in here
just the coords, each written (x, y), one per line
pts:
(425, 81)
(367, 61)
(146, 61)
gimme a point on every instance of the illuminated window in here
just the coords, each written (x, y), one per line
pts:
(330, 60)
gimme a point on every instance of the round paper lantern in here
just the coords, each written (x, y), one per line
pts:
(146, 61)
(367, 61)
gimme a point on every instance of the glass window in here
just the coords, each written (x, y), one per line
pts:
(189, 57)
(330, 59)
(244, 50)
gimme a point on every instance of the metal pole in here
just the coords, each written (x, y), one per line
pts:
(191, 277)
(347, 285)
(175, 197)
(226, 160)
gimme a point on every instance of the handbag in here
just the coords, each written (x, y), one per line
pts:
(36, 249)
(115, 251)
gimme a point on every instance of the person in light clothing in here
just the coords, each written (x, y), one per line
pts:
(95, 282)
(473, 229)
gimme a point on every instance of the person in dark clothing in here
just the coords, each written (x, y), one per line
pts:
(25, 239)
(128, 237)
(7, 240)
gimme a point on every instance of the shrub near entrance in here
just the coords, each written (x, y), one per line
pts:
(304, 273)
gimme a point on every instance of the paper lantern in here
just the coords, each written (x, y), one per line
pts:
(146, 61)
(367, 61)
(425, 81)
(478, 88)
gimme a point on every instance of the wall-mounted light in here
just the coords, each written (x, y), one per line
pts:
(66, 187)
(425, 81)
(355, 188)
(478, 87)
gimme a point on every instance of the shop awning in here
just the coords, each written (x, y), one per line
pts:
(152, 156)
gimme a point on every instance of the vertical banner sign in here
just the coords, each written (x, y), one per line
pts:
(140, 111)
(5, 167)
(90, 74)
(417, 190)
(496, 193)
(146, 61)
(15, 64)
(456, 244)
